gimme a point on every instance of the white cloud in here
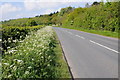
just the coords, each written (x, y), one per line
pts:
(57, 0)
(39, 5)
(8, 8)
(69, 0)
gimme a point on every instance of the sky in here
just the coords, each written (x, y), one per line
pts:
(13, 9)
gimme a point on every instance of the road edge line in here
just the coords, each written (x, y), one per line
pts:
(72, 78)
(66, 60)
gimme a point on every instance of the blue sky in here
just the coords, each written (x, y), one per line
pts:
(13, 9)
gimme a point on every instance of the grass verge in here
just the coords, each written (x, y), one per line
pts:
(100, 32)
(62, 68)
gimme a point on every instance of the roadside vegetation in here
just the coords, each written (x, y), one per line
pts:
(39, 55)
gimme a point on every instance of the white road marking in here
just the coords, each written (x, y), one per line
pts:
(69, 32)
(80, 36)
(104, 46)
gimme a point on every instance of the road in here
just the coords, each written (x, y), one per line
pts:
(89, 55)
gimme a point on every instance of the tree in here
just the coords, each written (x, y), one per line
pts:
(31, 23)
(65, 10)
(87, 5)
(95, 3)
(51, 14)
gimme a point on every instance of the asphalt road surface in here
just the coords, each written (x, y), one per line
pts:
(89, 55)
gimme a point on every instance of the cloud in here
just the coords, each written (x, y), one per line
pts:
(56, 0)
(39, 5)
(8, 8)
(64, 0)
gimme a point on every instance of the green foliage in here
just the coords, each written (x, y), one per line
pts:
(101, 16)
(31, 23)
(65, 10)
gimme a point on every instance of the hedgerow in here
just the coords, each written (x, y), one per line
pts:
(12, 35)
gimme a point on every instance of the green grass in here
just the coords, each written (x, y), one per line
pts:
(63, 67)
(100, 32)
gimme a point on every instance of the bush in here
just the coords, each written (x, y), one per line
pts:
(31, 23)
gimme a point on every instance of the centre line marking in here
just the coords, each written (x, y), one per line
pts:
(104, 46)
(80, 36)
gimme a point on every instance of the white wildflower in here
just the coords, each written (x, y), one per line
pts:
(9, 41)
(42, 57)
(0, 64)
(11, 51)
(19, 61)
(50, 60)
(6, 64)
(1, 48)
(48, 65)
(32, 59)
(40, 53)
(9, 38)
(26, 72)
(11, 66)
(0, 40)
(21, 41)
(9, 76)
(15, 41)
(8, 47)
(14, 68)
(29, 67)
(5, 41)
(49, 56)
